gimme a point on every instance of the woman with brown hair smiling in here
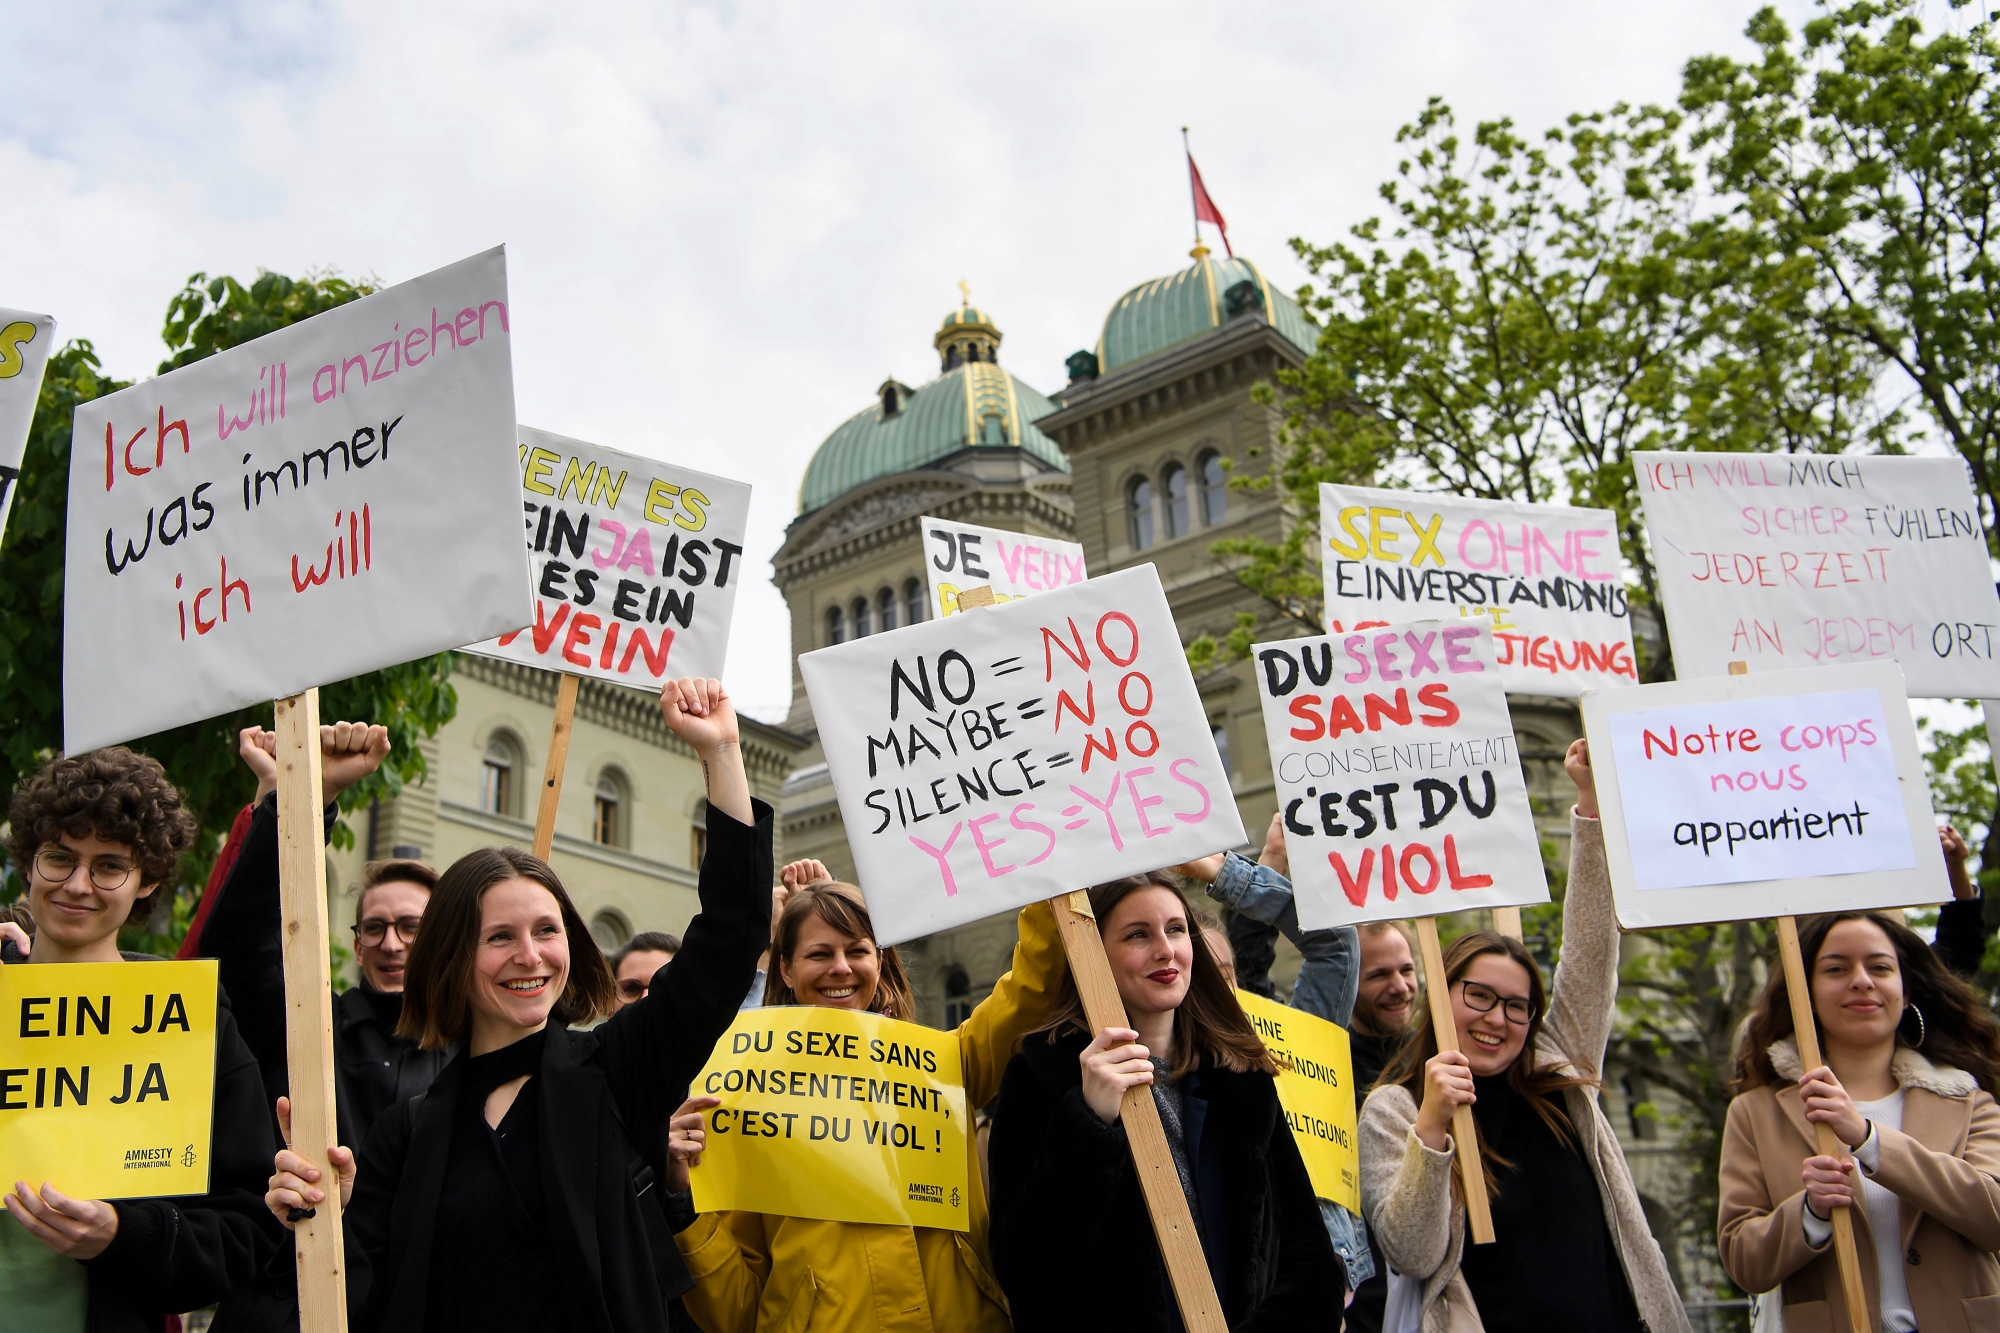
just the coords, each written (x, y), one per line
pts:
(520, 1188)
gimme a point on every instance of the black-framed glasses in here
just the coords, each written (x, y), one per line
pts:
(57, 864)
(374, 930)
(632, 988)
(1483, 998)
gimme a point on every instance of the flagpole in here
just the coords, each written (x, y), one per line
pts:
(1194, 205)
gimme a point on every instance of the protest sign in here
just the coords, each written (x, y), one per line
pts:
(1732, 798)
(834, 1114)
(1547, 579)
(1785, 562)
(651, 549)
(233, 540)
(25, 342)
(1397, 774)
(107, 1077)
(979, 768)
(1316, 1093)
(965, 555)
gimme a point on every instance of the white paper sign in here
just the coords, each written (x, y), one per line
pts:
(965, 555)
(1789, 561)
(235, 538)
(25, 342)
(1020, 752)
(636, 563)
(1546, 578)
(1397, 774)
(1733, 798)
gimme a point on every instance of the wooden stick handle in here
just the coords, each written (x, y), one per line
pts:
(1845, 1254)
(309, 1005)
(552, 775)
(1507, 920)
(1471, 1170)
(1180, 1243)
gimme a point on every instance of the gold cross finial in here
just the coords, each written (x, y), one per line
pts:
(964, 293)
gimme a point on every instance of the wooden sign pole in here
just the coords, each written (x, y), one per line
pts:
(1507, 920)
(309, 1004)
(1471, 1170)
(552, 775)
(1844, 1251)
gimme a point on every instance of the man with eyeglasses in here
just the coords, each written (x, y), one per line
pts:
(635, 963)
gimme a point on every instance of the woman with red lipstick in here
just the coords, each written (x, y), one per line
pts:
(1912, 1059)
(1072, 1241)
(520, 1189)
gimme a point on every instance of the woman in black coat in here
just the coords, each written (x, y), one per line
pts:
(519, 1189)
(1073, 1244)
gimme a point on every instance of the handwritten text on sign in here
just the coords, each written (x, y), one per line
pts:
(107, 1077)
(25, 342)
(964, 555)
(235, 537)
(1397, 775)
(1546, 578)
(1316, 1093)
(636, 563)
(833, 1114)
(1019, 752)
(1787, 562)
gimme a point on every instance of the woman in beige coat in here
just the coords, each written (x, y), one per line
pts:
(1573, 1249)
(1912, 1058)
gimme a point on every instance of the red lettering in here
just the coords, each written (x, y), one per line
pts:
(580, 626)
(1437, 696)
(1355, 886)
(1303, 708)
(1459, 879)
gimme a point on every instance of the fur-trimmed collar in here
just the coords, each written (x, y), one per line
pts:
(1911, 1068)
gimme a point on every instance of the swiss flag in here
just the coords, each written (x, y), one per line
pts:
(1204, 207)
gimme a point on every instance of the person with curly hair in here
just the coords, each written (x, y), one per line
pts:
(95, 836)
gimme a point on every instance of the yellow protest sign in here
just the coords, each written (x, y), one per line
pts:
(834, 1114)
(1316, 1091)
(107, 1077)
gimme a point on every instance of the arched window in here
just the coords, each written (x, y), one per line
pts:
(1175, 482)
(885, 608)
(1220, 731)
(836, 625)
(699, 851)
(1214, 489)
(499, 775)
(610, 930)
(609, 806)
(860, 614)
(1139, 507)
(915, 602)
(957, 997)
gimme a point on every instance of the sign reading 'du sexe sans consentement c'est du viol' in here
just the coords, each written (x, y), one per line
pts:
(1397, 774)
(1732, 798)
(1013, 564)
(1019, 752)
(636, 563)
(108, 1083)
(338, 496)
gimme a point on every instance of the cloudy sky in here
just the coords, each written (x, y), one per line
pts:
(726, 224)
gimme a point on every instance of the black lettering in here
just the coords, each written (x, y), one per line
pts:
(574, 534)
(624, 604)
(554, 574)
(586, 586)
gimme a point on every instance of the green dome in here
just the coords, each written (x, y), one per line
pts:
(1168, 311)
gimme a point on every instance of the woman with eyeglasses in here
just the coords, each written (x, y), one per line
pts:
(1572, 1247)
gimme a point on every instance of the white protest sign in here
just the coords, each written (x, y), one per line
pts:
(25, 342)
(1734, 798)
(652, 550)
(1025, 751)
(965, 555)
(1546, 578)
(1397, 774)
(1789, 561)
(234, 540)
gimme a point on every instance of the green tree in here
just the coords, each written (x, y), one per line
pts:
(413, 699)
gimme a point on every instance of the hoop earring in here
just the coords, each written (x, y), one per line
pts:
(1923, 1030)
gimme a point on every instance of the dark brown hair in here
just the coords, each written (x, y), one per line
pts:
(1209, 1025)
(113, 794)
(646, 941)
(842, 907)
(1957, 1029)
(438, 979)
(399, 870)
(1538, 1084)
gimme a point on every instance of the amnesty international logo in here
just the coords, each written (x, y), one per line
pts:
(188, 1156)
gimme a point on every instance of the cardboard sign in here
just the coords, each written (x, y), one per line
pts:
(235, 539)
(107, 1077)
(835, 1114)
(1735, 798)
(653, 551)
(1791, 561)
(25, 342)
(1028, 750)
(1397, 774)
(964, 555)
(1546, 578)
(1316, 1093)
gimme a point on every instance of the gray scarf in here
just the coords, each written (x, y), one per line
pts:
(1167, 1096)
